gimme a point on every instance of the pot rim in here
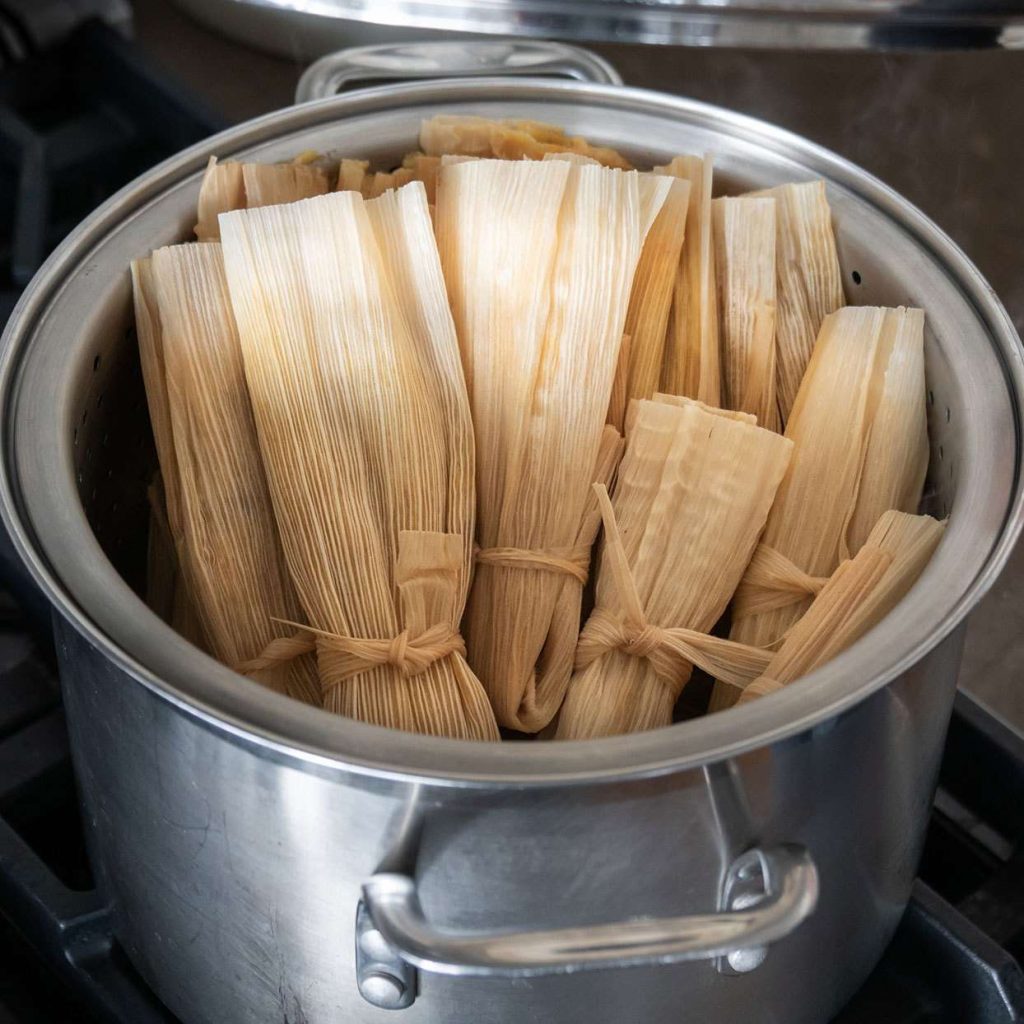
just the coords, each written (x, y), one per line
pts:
(294, 733)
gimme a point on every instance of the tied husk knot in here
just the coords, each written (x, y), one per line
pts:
(670, 652)
(574, 561)
(343, 657)
(773, 581)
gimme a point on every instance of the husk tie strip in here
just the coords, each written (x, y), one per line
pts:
(670, 652)
(343, 657)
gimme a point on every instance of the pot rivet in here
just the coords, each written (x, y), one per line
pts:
(374, 945)
(383, 990)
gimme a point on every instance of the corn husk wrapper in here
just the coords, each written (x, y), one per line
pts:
(222, 189)
(424, 168)
(167, 592)
(896, 461)
(744, 231)
(237, 186)
(650, 302)
(353, 370)
(230, 553)
(810, 282)
(351, 175)
(693, 493)
(857, 596)
(831, 425)
(272, 184)
(691, 364)
(507, 140)
(539, 258)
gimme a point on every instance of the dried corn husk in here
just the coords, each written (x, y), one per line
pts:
(831, 424)
(539, 258)
(424, 168)
(351, 175)
(691, 364)
(222, 189)
(507, 140)
(353, 370)
(693, 494)
(897, 455)
(651, 298)
(809, 280)
(744, 232)
(236, 186)
(232, 561)
(165, 587)
(271, 184)
(618, 402)
(857, 596)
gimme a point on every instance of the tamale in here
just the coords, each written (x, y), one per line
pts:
(539, 258)
(831, 425)
(618, 401)
(235, 186)
(351, 174)
(424, 168)
(693, 493)
(222, 189)
(691, 364)
(651, 298)
(230, 552)
(271, 184)
(353, 371)
(897, 455)
(857, 596)
(744, 231)
(507, 140)
(809, 280)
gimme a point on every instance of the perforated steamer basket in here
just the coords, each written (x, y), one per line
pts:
(233, 829)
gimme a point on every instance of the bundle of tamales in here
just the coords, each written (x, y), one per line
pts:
(218, 507)
(363, 421)
(861, 448)
(856, 597)
(313, 426)
(539, 258)
(693, 493)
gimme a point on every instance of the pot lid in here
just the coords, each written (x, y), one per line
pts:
(811, 24)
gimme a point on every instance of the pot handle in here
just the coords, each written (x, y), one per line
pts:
(458, 59)
(767, 893)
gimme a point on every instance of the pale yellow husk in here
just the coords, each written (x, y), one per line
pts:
(858, 595)
(539, 258)
(230, 553)
(507, 140)
(896, 462)
(353, 371)
(809, 279)
(651, 300)
(744, 231)
(693, 493)
(236, 186)
(832, 424)
(691, 364)
(167, 592)
(351, 175)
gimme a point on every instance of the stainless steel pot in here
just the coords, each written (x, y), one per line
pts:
(269, 862)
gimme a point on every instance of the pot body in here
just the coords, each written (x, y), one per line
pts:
(232, 829)
(235, 878)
